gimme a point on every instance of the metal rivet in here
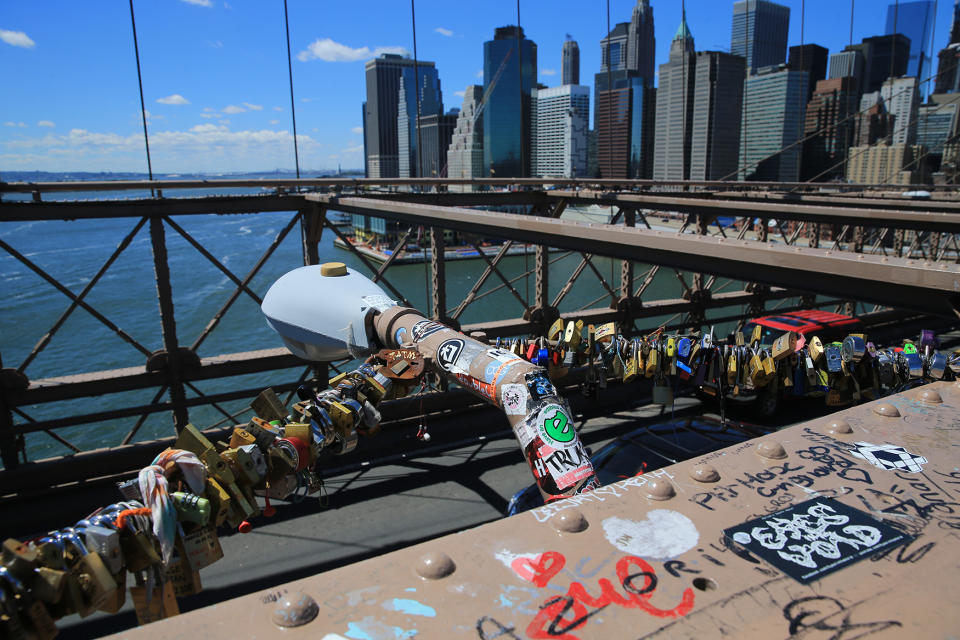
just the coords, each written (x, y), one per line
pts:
(771, 449)
(886, 409)
(660, 489)
(570, 521)
(435, 565)
(295, 609)
(704, 473)
(929, 396)
(837, 428)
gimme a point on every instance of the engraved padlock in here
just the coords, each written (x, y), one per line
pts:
(853, 349)
(834, 357)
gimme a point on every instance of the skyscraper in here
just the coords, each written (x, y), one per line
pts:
(623, 124)
(613, 48)
(848, 63)
(671, 156)
(570, 62)
(717, 101)
(948, 60)
(384, 76)
(759, 33)
(811, 58)
(914, 20)
(901, 97)
(562, 118)
(830, 127)
(509, 74)
(773, 113)
(641, 43)
(886, 57)
(465, 154)
(436, 131)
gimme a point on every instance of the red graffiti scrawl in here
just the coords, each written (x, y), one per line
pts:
(560, 615)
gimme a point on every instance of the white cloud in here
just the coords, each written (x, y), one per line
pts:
(175, 99)
(459, 94)
(209, 109)
(274, 122)
(329, 51)
(278, 108)
(479, 73)
(444, 32)
(16, 39)
(253, 107)
(199, 3)
(548, 72)
(217, 44)
(8, 123)
(46, 123)
(306, 99)
(355, 149)
(357, 130)
(232, 108)
(207, 115)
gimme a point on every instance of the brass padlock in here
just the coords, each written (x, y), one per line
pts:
(95, 579)
(784, 346)
(162, 604)
(573, 334)
(556, 330)
(268, 406)
(652, 360)
(31, 613)
(605, 332)
(756, 336)
(202, 547)
(732, 370)
(815, 348)
(756, 371)
(181, 574)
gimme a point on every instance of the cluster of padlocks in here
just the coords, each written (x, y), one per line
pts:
(165, 530)
(847, 371)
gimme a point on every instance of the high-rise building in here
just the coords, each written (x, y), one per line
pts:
(624, 111)
(385, 76)
(901, 97)
(886, 57)
(436, 132)
(759, 33)
(641, 43)
(671, 156)
(509, 75)
(873, 121)
(773, 114)
(717, 101)
(613, 48)
(882, 164)
(914, 20)
(465, 154)
(562, 120)
(811, 58)
(829, 128)
(848, 63)
(937, 122)
(948, 60)
(570, 62)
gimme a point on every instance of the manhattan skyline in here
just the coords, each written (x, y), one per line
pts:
(215, 73)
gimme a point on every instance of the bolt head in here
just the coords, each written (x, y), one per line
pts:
(435, 565)
(295, 609)
(704, 473)
(570, 521)
(771, 449)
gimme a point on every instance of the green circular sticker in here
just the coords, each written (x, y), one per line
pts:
(555, 427)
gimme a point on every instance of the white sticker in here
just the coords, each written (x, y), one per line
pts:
(555, 426)
(379, 302)
(513, 398)
(525, 433)
(663, 535)
(503, 355)
(889, 457)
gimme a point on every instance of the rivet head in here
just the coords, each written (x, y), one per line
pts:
(837, 428)
(570, 521)
(660, 489)
(435, 565)
(887, 410)
(771, 449)
(295, 609)
(704, 473)
(929, 396)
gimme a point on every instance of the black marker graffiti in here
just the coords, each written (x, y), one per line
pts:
(813, 613)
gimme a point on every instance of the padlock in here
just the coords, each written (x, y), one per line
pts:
(834, 357)
(616, 364)
(652, 362)
(662, 393)
(191, 507)
(769, 367)
(739, 339)
(162, 603)
(106, 542)
(914, 364)
(556, 330)
(756, 336)
(605, 332)
(12, 625)
(683, 349)
(937, 366)
(202, 547)
(909, 348)
(243, 467)
(815, 348)
(184, 577)
(130, 489)
(98, 584)
(756, 371)
(31, 612)
(19, 558)
(573, 334)
(784, 346)
(51, 552)
(885, 368)
(732, 369)
(267, 405)
(853, 349)
(220, 503)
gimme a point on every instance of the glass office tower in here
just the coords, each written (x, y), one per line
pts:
(509, 74)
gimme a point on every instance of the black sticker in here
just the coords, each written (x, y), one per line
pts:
(809, 540)
(426, 328)
(448, 352)
(539, 385)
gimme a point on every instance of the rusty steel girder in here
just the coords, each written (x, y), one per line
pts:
(840, 527)
(898, 282)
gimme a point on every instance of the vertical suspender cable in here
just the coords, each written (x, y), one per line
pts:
(416, 92)
(851, 23)
(609, 105)
(523, 138)
(143, 109)
(293, 111)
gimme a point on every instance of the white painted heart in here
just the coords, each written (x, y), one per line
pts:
(664, 534)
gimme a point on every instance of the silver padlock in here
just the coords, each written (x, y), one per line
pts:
(256, 456)
(914, 364)
(106, 542)
(853, 349)
(938, 365)
(662, 394)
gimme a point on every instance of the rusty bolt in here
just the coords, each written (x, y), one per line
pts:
(435, 565)
(570, 521)
(704, 473)
(771, 449)
(295, 609)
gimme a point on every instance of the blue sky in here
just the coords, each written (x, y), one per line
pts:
(215, 72)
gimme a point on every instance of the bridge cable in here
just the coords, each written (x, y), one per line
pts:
(143, 109)
(293, 111)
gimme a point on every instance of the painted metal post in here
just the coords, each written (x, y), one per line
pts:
(626, 266)
(8, 441)
(168, 322)
(311, 229)
(438, 268)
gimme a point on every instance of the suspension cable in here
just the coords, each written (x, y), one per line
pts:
(143, 108)
(293, 111)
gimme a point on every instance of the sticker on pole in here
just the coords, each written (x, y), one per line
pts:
(889, 457)
(555, 427)
(426, 328)
(448, 353)
(513, 398)
(809, 540)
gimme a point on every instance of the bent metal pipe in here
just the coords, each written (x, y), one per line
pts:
(541, 420)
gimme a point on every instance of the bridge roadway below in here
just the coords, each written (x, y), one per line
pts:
(391, 503)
